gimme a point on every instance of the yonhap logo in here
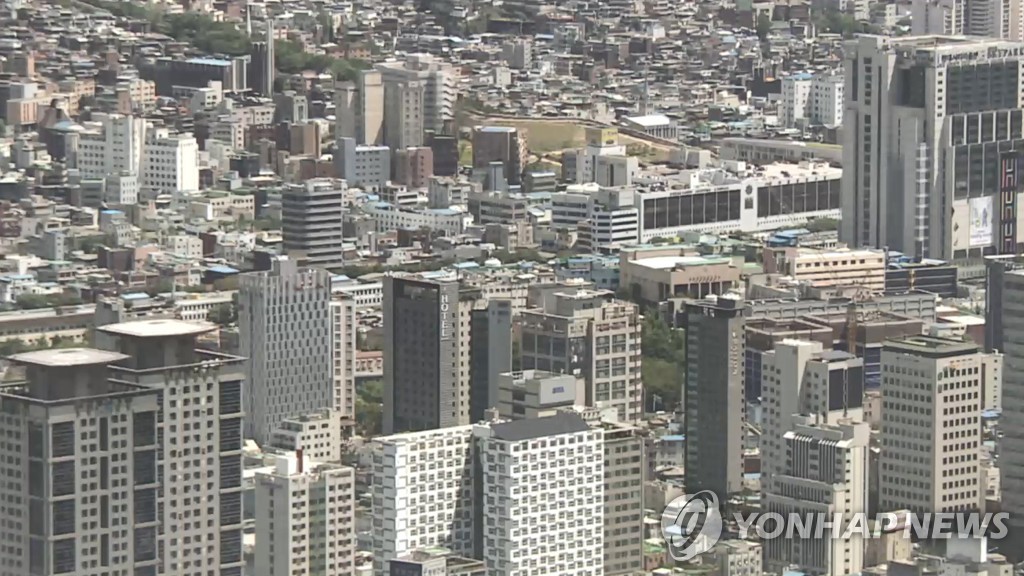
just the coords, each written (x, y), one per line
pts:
(691, 525)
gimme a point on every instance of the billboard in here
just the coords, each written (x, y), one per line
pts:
(981, 221)
(1008, 184)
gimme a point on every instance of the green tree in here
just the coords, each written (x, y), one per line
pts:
(32, 301)
(370, 408)
(823, 225)
(224, 314)
(763, 26)
(663, 351)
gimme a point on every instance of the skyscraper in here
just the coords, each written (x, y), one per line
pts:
(931, 426)
(262, 65)
(934, 145)
(199, 431)
(1009, 304)
(418, 94)
(311, 222)
(713, 395)
(285, 326)
(79, 462)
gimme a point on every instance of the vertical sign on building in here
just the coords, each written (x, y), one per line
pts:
(445, 308)
(1009, 178)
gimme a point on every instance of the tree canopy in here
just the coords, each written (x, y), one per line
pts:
(663, 352)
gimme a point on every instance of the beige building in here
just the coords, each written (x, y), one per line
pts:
(829, 268)
(931, 433)
(535, 393)
(593, 337)
(657, 274)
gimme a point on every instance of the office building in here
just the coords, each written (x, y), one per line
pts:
(361, 165)
(939, 17)
(284, 325)
(319, 435)
(931, 426)
(422, 490)
(518, 53)
(578, 166)
(829, 462)
(262, 69)
(418, 94)
(1005, 313)
(291, 107)
(414, 167)
(591, 336)
(112, 144)
(983, 18)
(565, 516)
(914, 107)
(625, 471)
(168, 72)
(200, 503)
(812, 99)
(305, 518)
(535, 394)
(170, 163)
(370, 120)
(344, 349)
(311, 222)
(713, 395)
(77, 441)
(501, 144)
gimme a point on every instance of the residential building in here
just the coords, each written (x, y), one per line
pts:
(939, 17)
(318, 435)
(829, 462)
(200, 450)
(812, 99)
(931, 427)
(968, 209)
(284, 325)
(311, 222)
(305, 518)
(72, 420)
(518, 53)
(593, 337)
(713, 395)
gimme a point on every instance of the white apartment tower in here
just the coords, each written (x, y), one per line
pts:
(419, 94)
(305, 518)
(542, 483)
(940, 17)
(344, 340)
(319, 435)
(422, 493)
(170, 163)
(311, 222)
(931, 426)
(79, 461)
(199, 429)
(812, 99)
(593, 337)
(284, 330)
(982, 18)
(799, 377)
(825, 471)
(935, 126)
(111, 145)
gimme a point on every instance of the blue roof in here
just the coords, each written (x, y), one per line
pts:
(18, 276)
(340, 278)
(674, 437)
(111, 212)
(220, 269)
(209, 61)
(134, 296)
(802, 76)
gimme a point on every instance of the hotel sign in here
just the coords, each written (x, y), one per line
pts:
(446, 325)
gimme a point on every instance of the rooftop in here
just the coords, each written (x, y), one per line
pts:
(67, 357)
(561, 423)
(931, 346)
(158, 328)
(673, 262)
(650, 121)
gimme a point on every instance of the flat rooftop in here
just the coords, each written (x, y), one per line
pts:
(67, 357)
(673, 262)
(931, 346)
(158, 328)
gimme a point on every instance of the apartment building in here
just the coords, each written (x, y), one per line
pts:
(170, 163)
(305, 518)
(318, 435)
(592, 336)
(931, 428)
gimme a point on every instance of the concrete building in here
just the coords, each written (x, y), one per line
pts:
(535, 394)
(759, 151)
(344, 351)
(418, 94)
(170, 163)
(931, 430)
(913, 102)
(71, 420)
(829, 462)
(362, 165)
(444, 347)
(625, 472)
(305, 518)
(112, 144)
(864, 269)
(983, 18)
(713, 395)
(503, 144)
(311, 222)
(318, 435)
(592, 337)
(939, 17)
(812, 99)
(284, 325)
(200, 502)
(435, 561)
(578, 165)
(522, 491)
(518, 53)
(801, 377)
(656, 274)
(420, 506)
(262, 67)
(737, 558)
(657, 125)
(414, 167)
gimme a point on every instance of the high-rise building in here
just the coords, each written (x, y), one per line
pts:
(713, 395)
(799, 377)
(112, 145)
(418, 94)
(824, 471)
(262, 64)
(1006, 302)
(370, 120)
(305, 518)
(565, 516)
(79, 461)
(414, 167)
(592, 336)
(319, 435)
(344, 341)
(939, 17)
(535, 394)
(423, 493)
(933, 149)
(311, 222)
(625, 457)
(983, 18)
(500, 144)
(170, 163)
(931, 426)
(199, 430)
(445, 346)
(285, 326)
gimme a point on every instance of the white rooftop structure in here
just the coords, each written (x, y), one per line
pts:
(67, 357)
(158, 328)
